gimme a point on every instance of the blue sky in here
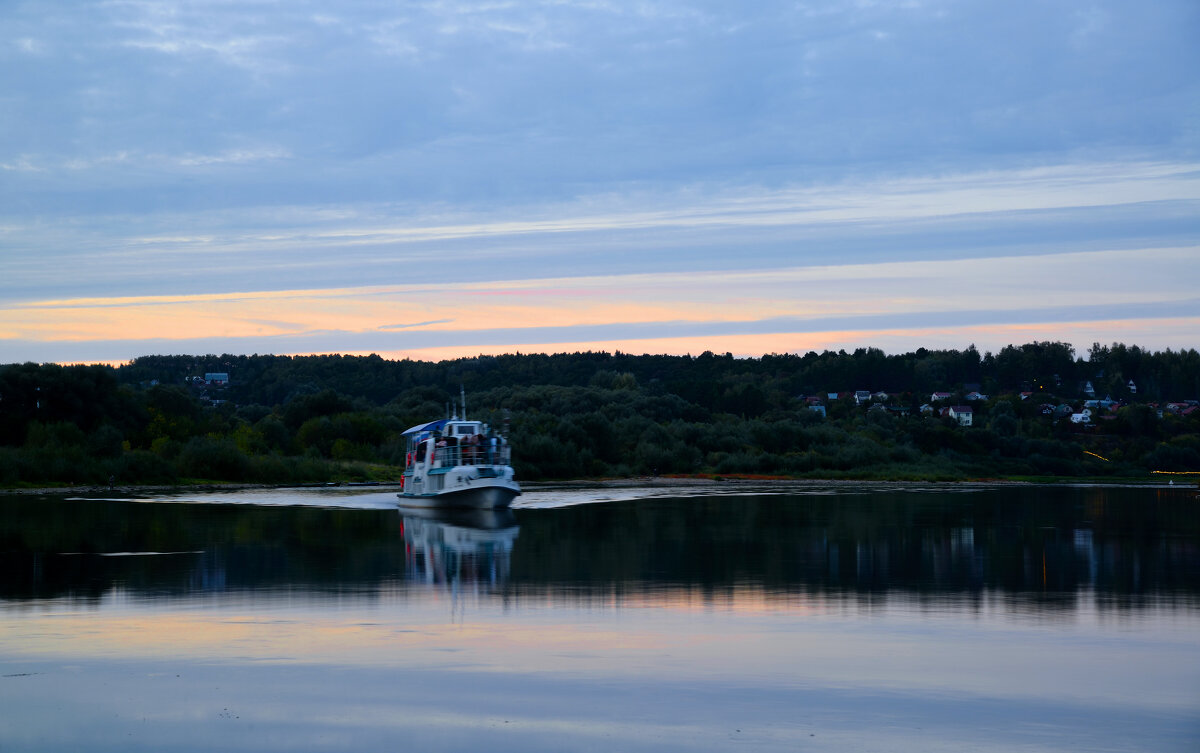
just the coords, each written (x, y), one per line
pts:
(436, 179)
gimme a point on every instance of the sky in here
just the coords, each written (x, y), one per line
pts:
(445, 179)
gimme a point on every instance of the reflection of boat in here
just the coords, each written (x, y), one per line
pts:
(457, 463)
(459, 547)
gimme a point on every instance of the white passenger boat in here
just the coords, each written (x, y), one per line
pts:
(456, 462)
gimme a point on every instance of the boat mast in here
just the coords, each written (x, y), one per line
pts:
(463, 393)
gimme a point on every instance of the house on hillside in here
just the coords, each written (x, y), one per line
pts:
(862, 396)
(963, 414)
(815, 404)
(938, 396)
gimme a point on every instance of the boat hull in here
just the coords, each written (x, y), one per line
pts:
(478, 497)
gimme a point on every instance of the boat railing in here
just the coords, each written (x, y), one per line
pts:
(483, 454)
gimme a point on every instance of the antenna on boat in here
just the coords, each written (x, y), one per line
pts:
(462, 391)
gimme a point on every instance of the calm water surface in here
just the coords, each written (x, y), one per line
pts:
(821, 618)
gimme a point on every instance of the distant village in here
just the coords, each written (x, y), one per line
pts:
(210, 387)
(1085, 409)
(962, 406)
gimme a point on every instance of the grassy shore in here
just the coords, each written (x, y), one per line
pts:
(668, 481)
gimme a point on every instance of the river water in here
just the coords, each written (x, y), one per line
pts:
(772, 618)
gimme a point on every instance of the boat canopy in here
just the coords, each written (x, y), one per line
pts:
(431, 426)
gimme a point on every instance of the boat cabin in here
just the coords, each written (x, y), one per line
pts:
(449, 443)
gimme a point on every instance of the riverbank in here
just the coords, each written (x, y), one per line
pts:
(653, 482)
(131, 489)
(659, 482)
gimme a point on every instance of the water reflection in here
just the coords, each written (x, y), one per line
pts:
(999, 619)
(1038, 548)
(457, 550)
(1041, 547)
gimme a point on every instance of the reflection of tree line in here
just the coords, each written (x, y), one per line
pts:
(1039, 544)
(1030, 542)
(51, 548)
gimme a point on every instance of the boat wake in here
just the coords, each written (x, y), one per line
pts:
(337, 497)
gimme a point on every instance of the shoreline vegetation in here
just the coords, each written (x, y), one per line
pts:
(637, 482)
(1035, 413)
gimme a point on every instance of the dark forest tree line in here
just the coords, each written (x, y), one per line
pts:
(318, 418)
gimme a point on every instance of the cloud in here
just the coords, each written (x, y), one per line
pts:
(1153, 333)
(234, 157)
(556, 97)
(415, 325)
(1004, 292)
(548, 153)
(1022, 212)
(30, 46)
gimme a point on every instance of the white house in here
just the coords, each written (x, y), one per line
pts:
(963, 414)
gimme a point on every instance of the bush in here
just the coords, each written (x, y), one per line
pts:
(1172, 457)
(10, 466)
(206, 458)
(143, 467)
(106, 442)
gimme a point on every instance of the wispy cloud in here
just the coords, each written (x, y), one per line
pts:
(414, 325)
(158, 160)
(234, 157)
(30, 46)
(295, 238)
(199, 29)
(1014, 292)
